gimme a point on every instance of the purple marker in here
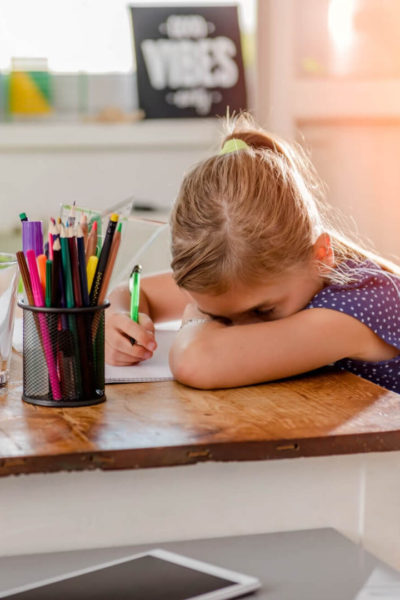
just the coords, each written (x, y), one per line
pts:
(32, 237)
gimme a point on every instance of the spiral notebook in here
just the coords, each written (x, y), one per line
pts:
(154, 369)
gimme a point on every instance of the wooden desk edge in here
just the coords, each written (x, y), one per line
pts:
(141, 458)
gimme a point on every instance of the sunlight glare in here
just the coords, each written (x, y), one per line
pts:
(340, 21)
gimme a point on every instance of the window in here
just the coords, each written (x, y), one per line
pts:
(92, 36)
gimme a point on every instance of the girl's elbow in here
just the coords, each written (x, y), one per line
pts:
(189, 366)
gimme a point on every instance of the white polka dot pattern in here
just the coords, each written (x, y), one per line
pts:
(374, 299)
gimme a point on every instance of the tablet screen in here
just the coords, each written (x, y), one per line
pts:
(143, 578)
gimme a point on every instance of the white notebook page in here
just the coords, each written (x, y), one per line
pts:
(154, 369)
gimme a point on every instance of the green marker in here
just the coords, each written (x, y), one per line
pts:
(23, 217)
(134, 288)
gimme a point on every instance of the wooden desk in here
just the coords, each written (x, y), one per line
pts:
(85, 485)
(164, 423)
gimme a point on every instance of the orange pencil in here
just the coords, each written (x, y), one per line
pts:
(41, 263)
(91, 242)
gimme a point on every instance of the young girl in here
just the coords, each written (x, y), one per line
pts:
(265, 287)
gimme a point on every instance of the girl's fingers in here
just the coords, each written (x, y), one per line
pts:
(120, 330)
(142, 332)
(123, 354)
(114, 356)
(146, 322)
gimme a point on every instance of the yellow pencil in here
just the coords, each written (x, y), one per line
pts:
(91, 270)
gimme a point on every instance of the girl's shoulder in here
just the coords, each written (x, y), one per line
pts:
(371, 295)
(361, 279)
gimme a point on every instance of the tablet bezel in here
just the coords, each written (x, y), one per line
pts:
(241, 584)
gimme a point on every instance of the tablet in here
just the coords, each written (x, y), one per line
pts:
(153, 575)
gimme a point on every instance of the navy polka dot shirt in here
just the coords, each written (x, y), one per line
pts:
(374, 299)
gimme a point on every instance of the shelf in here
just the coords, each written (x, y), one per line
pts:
(144, 135)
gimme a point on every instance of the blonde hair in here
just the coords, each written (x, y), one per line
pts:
(253, 213)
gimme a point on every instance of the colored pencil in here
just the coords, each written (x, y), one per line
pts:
(73, 253)
(91, 242)
(55, 277)
(71, 218)
(103, 259)
(110, 264)
(51, 236)
(91, 270)
(84, 346)
(23, 268)
(66, 265)
(84, 227)
(80, 243)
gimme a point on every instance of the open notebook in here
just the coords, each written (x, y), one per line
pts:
(154, 369)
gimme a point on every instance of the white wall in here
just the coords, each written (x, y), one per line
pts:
(42, 166)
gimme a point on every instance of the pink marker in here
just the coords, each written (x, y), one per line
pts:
(39, 301)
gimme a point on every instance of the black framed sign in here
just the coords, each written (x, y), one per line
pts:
(189, 60)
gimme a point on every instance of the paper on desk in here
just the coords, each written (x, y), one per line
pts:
(154, 369)
(382, 583)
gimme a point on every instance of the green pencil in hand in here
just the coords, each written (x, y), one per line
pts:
(134, 288)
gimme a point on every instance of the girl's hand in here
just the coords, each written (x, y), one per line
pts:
(128, 342)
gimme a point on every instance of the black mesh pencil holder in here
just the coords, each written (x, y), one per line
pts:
(63, 355)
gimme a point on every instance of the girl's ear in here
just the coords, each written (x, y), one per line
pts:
(323, 251)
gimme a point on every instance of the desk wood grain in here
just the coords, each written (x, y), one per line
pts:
(164, 423)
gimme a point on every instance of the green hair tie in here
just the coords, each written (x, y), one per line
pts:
(233, 145)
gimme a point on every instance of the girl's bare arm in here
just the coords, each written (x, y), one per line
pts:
(160, 300)
(212, 355)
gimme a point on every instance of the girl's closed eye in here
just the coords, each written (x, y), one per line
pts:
(223, 320)
(263, 313)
